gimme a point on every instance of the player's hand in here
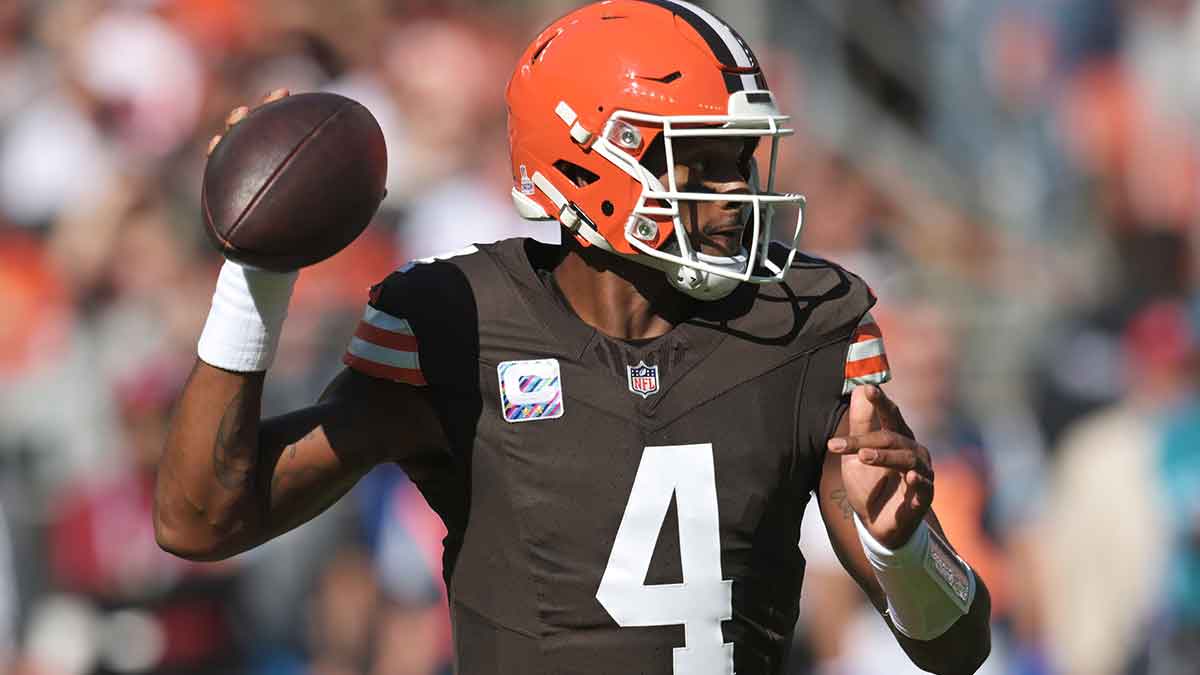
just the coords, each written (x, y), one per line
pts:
(239, 113)
(888, 476)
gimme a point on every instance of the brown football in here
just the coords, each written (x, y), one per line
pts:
(294, 182)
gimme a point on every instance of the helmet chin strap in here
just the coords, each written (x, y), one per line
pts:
(698, 284)
(701, 284)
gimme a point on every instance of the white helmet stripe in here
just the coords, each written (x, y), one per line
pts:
(737, 48)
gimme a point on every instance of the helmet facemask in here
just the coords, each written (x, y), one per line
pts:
(706, 277)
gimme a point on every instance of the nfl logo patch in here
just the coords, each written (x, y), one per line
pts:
(643, 379)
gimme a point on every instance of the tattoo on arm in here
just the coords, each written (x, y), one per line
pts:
(840, 498)
(233, 470)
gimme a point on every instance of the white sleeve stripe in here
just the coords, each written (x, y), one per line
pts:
(388, 357)
(871, 378)
(386, 321)
(865, 349)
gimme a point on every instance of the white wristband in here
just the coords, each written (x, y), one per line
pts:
(928, 586)
(246, 318)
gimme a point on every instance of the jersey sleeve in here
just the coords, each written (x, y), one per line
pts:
(388, 342)
(419, 327)
(384, 345)
(866, 360)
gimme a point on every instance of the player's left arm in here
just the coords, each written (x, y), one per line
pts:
(877, 474)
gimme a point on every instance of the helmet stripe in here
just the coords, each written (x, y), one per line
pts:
(726, 44)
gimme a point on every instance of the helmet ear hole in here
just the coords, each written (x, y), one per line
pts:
(579, 176)
(606, 208)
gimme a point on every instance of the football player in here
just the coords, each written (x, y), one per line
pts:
(621, 433)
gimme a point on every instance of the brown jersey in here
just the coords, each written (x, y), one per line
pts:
(618, 507)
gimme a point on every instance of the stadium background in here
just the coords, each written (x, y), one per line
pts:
(1019, 180)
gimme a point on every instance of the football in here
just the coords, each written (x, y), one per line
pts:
(294, 182)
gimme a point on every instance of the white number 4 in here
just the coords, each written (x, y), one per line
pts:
(704, 599)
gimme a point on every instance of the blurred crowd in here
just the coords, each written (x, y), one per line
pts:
(1018, 180)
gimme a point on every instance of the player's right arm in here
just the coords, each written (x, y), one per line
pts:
(229, 481)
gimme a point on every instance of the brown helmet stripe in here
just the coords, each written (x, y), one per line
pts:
(741, 69)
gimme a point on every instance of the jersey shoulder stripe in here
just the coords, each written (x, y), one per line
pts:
(410, 330)
(385, 346)
(866, 360)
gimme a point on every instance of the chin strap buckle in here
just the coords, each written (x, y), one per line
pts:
(570, 218)
(569, 215)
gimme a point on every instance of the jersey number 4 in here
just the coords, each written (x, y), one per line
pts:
(703, 600)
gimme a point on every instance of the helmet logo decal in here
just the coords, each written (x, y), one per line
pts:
(526, 184)
(643, 379)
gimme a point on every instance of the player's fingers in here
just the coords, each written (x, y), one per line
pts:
(236, 115)
(886, 408)
(275, 95)
(871, 439)
(861, 415)
(918, 480)
(900, 460)
(920, 489)
(212, 144)
(919, 501)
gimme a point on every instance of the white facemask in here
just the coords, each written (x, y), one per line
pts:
(750, 114)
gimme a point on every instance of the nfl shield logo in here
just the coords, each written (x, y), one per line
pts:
(643, 379)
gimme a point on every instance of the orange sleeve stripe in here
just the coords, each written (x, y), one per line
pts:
(374, 369)
(866, 332)
(867, 366)
(385, 338)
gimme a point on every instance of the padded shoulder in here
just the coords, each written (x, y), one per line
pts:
(837, 297)
(818, 302)
(422, 317)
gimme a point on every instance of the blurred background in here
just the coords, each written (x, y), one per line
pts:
(1019, 181)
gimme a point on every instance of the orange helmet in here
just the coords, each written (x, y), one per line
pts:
(596, 89)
